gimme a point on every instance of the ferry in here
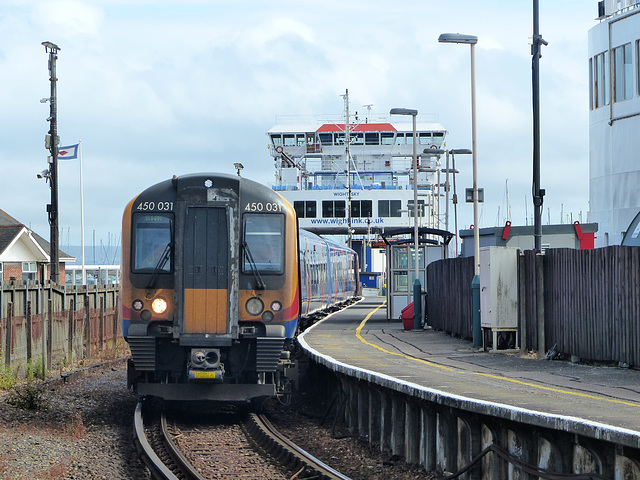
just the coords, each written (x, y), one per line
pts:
(326, 163)
(353, 176)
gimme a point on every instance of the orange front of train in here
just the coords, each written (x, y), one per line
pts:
(209, 269)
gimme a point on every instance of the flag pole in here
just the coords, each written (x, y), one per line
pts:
(84, 272)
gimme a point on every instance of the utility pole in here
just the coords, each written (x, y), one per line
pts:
(51, 143)
(538, 193)
(347, 139)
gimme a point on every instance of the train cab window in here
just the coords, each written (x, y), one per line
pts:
(152, 239)
(263, 243)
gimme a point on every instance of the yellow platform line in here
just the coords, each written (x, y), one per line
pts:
(488, 375)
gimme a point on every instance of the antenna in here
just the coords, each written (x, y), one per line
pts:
(368, 107)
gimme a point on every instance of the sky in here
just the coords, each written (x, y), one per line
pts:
(153, 89)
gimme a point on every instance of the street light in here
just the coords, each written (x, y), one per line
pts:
(417, 288)
(238, 167)
(471, 40)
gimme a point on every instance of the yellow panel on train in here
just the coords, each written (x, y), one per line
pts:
(205, 311)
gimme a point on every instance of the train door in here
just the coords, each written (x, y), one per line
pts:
(206, 270)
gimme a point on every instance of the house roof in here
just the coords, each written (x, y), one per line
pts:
(11, 229)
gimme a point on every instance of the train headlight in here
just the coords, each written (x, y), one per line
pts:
(159, 305)
(137, 305)
(276, 306)
(254, 306)
(267, 316)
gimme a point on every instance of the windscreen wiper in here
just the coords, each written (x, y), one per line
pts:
(260, 285)
(162, 261)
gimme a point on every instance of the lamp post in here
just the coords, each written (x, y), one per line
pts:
(417, 288)
(471, 40)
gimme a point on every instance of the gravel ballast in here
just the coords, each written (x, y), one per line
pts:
(86, 433)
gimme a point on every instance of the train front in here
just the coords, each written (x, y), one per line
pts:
(209, 293)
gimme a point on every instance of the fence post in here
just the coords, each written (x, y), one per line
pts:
(87, 326)
(115, 324)
(8, 340)
(101, 324)
(72, 316)
(540, 304)
(29, 332)
(49, 333)
(522, 299)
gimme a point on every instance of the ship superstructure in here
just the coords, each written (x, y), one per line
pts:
(352, 180)
(614, 119)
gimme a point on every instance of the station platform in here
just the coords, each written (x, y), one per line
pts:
(602, 402)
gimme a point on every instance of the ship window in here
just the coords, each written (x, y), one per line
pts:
(638, 65)
(339, 139)
(362, 208)
(357, 139)
(333, 208)
(400, 139)
(389, 208)
(264, 235)
(387, 138)
(438, 138)
(421, 209)
(289, 140)
(622, 67)
(372, 138)
(591, 84)
(277, 140)
(409, 137)
(305, 209)
(301, 141)
(425, 138)
(152, 238)
(326, 138)
(601, 80)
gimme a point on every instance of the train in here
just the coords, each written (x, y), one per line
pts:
(216, 279)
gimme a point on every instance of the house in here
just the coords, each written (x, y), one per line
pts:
(24, 255)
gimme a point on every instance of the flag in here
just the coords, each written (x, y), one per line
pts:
(69, 152)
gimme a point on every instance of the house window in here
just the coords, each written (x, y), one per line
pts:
(28, 271)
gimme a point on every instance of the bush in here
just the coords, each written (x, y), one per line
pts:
(8, 379)
(29, 395)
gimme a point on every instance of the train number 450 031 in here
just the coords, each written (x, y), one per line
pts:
(263, 207)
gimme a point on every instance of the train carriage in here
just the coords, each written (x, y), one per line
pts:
(211, 290)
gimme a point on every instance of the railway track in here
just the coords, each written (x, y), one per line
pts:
(228, 449)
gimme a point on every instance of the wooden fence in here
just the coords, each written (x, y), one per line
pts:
(590, 301)
(52, 326)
